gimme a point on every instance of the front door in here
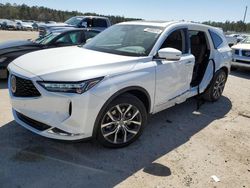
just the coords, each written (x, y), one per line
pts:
(173, 78)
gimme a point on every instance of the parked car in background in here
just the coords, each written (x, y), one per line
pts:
(94, 22)
(8, 25)
(1, 23)
(50, 22)
(36, 25)
(241, 54)
(231, 40)
(67, 37)
(107, 88)
(25, 26)
(239, 37)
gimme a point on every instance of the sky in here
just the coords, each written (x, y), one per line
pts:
(190, 10)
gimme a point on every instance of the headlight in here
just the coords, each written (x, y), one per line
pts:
(2, 59)
(70, 87)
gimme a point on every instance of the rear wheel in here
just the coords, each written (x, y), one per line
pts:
(122, 122)
(216, 88)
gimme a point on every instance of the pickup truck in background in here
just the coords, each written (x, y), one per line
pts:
(94, 22)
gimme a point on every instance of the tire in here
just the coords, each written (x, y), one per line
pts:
(121, 122)
(216, 88)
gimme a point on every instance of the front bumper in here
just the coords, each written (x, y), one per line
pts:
(73, 115)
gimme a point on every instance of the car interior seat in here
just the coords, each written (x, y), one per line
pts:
(198, 49)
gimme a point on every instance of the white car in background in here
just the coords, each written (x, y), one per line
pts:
(107, 88)
(26, 26)
(239, 37)
(241, 54)
(231, 40)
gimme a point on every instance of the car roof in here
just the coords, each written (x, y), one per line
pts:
(62, 30)
(92, 17)
(166, 23)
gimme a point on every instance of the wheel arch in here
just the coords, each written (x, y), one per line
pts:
(137, 91)
(224, 68)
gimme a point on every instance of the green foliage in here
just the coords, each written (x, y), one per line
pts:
(24, 12)
(231, 26)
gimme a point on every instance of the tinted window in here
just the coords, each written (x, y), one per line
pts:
(47, 38)
(217, 40)
(99, 23)
(90, 34)
(74, 21)
(87, 22)
(72, 38)
(177, 40)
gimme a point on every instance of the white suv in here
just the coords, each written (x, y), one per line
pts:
(107, 88)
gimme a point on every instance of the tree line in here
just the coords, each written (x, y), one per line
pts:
(24, 12)
(228, 26)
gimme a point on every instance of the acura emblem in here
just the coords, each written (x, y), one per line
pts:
(13, 83)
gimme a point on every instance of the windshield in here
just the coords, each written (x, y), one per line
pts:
(74, 21)
(246, 40)
(46, 39)
(130, 40)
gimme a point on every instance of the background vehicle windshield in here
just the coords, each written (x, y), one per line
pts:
(130, 40)
(246, 40)
(46, 39)
(74, 21)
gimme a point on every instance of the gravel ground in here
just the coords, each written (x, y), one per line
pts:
(180, 147)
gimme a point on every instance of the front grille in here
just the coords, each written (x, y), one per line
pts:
(246, 53)
(25, 88)
(32, 123)
(237, 52)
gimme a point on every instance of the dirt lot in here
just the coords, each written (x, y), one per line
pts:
(17, 35)
(180, 147)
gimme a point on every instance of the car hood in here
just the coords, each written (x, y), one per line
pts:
(241, 46)
(15, 45)
(73, 64)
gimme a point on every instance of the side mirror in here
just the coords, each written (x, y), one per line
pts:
(170, 54)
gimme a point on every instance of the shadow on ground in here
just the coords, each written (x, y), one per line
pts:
(28, 160)
(242, 73)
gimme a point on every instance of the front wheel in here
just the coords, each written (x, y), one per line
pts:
(216, 88)
(122, 122)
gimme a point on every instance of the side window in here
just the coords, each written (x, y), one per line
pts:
(178, 40)
(87, 22)
(73, 38)
(217, 40)
(99, 23)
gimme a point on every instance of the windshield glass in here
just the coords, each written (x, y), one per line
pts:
(74, 21)
(246, 40)
(130, 40)
(46, 39)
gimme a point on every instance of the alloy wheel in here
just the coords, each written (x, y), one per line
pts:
(121, 123)
(219, 86)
